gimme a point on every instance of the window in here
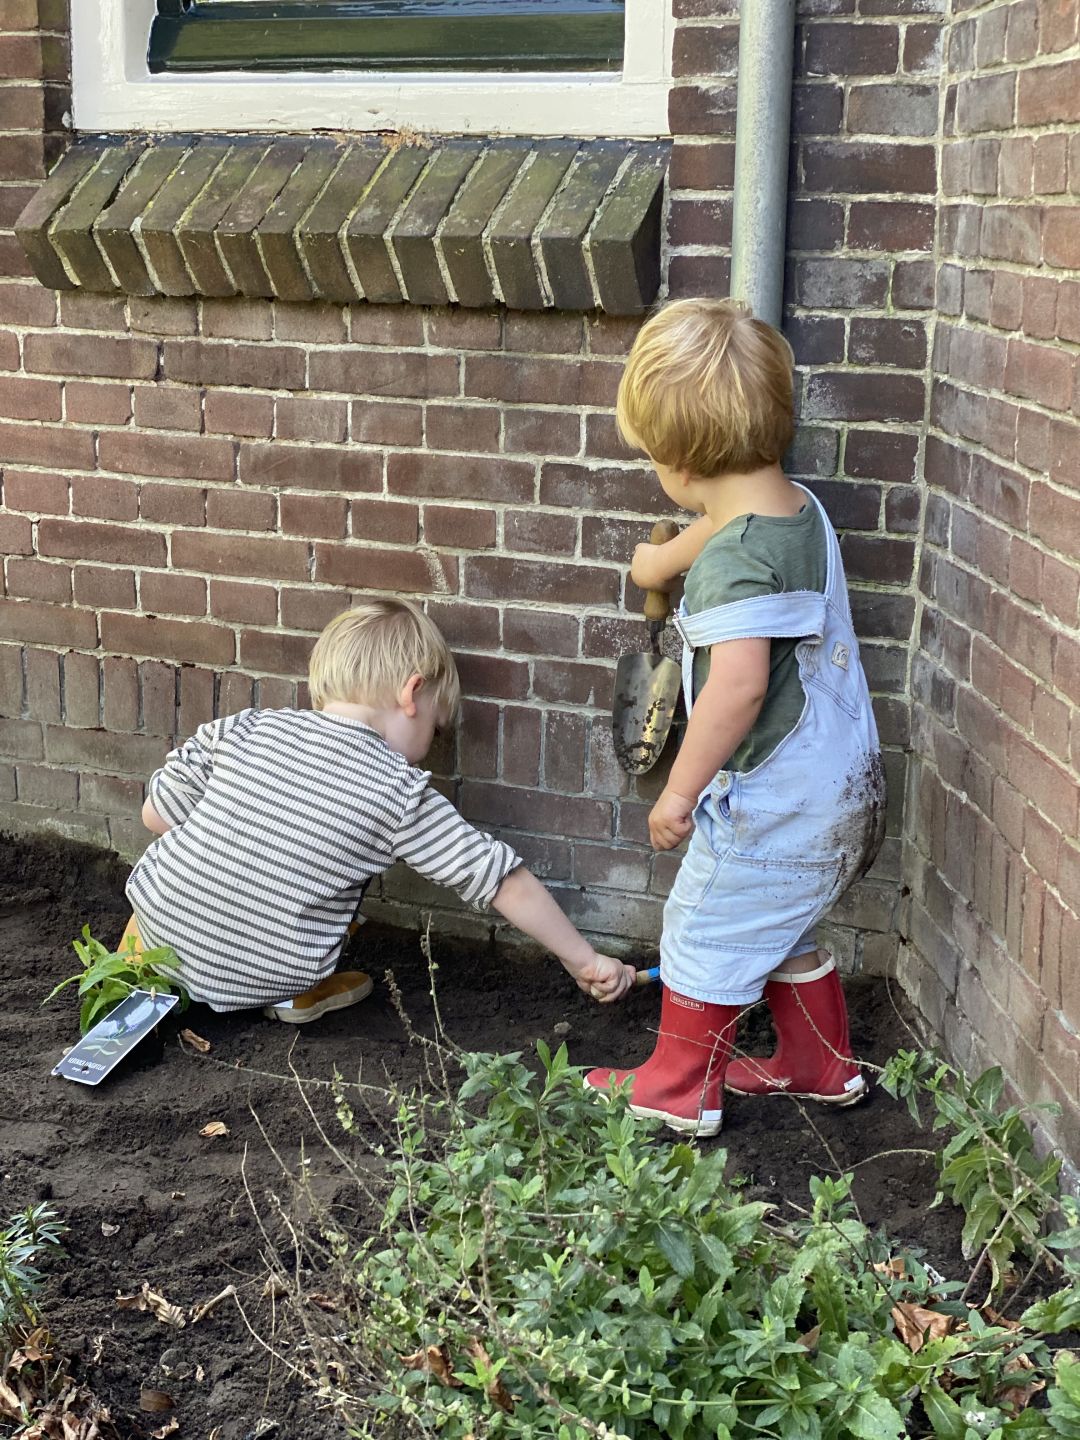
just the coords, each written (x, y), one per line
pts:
(204, 35)
(575, 91)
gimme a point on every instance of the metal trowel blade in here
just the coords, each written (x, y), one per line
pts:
(646, 694)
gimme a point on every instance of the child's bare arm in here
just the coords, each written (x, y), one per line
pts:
(729, 703)
(152, 820)
(655, 567)
(484, 871)
(525, 903)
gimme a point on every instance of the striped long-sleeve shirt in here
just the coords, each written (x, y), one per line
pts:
(280, 818)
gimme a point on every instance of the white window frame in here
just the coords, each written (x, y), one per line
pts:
(114, 90)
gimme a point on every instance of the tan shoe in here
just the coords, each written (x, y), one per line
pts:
(336, 992)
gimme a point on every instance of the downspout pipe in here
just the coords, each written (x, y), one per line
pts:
(762, 141)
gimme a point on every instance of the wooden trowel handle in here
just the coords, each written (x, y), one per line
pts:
(658, 602)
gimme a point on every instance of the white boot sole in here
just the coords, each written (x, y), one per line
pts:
(704, 1125)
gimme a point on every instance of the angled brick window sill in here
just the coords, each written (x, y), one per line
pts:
(544, 224)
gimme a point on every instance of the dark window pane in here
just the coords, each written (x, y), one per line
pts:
(201, 35)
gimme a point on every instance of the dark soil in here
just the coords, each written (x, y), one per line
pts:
(129, 1154)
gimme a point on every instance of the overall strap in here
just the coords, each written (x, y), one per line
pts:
(836, 591)
(794, 614)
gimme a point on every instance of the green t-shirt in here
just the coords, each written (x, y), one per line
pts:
(761, 555)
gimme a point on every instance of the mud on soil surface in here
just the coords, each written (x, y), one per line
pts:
(129, 1154)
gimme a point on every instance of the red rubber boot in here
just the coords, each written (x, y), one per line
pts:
(682, 1082)
(813, 1057)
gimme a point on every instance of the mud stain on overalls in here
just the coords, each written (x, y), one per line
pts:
(860, 834)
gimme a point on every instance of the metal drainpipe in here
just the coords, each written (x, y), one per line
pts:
(762, 139)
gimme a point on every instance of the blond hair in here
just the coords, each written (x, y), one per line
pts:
(708, 389)
(366, 654)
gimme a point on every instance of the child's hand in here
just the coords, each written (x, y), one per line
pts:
(658, 567)
(670, 820)
(647, 569)
(605, 978)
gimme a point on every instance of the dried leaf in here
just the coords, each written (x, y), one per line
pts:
(215, 1127)
(324, 1302)
(1019, 1396)
(275, 1287)
(167, 1429)
(107, 1230)
(892, 1269)
(155, 1400)
(497, 1392)
(10, 1404)
(810, 1339)
(148, 1299)
(914, 1324)
(196, 1041)
(992, 1317)
(40, 1337)
(27, 1355)
(74, 1414)
(435, 1359)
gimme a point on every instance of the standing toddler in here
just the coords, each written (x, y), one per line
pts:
(778, 781)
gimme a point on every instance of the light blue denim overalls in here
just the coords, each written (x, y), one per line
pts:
(773, 848)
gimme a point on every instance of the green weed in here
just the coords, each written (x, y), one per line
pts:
(28, 1236)
(988, 1166)
(108, 976)
(546, 1267)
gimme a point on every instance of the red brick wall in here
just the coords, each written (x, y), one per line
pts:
(191, 489)
(992, 860)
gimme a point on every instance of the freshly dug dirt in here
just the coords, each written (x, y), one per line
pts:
(146, 1198)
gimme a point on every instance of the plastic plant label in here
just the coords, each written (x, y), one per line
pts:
(101, 1049)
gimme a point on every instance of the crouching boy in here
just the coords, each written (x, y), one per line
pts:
(271, 823)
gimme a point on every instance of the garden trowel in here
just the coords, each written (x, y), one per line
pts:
(646, 686)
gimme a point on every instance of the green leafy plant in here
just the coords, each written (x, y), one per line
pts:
(28, 1236)
(549, 1267)
(988, 1166)
(109, 976)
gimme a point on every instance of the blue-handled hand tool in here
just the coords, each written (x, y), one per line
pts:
(646, 977)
